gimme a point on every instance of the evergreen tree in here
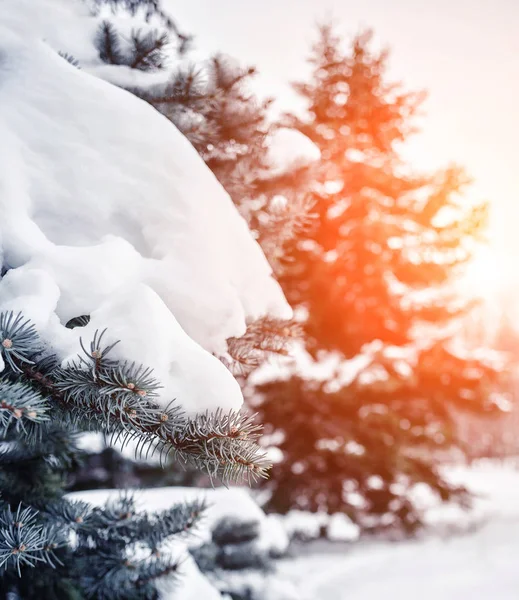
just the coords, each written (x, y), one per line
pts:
(52, 547)
(374, 277)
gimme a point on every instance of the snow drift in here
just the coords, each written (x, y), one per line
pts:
(107, 210)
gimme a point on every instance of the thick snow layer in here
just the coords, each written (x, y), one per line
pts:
(68, 26)
(107, 210)
(463, 556)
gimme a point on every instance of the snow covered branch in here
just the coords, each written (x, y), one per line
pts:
(98, 393)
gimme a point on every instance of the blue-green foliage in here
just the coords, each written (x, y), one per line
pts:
(54, 548)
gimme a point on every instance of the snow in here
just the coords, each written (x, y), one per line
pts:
(329, 367)
(257, 585)
(463, 555)
(192, 584)
(107, 210)
(221, 502)
(289, 150)
(341, 529)
(304, 525)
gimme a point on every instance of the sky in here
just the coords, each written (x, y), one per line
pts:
(465, 53)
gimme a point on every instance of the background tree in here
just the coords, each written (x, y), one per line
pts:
(375, 277)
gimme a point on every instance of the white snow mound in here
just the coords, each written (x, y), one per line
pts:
(107, 210)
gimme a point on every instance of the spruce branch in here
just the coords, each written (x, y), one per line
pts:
(264, 337)
(125, 579)
(70, 59)
(158, 567)
(115, 577)
(18, 340)
(81, 321)
(20, 405)
(108, 44)
(119, 522)
(25, 542)
(148, 50)
(119, 398)
(186, 88)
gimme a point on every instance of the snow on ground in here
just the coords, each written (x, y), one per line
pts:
(463, 556)
(107, 210)
(302, 525)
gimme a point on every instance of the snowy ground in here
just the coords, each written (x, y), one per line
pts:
(463, 556)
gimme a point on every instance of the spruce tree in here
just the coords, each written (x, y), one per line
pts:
(52, 547)
(374, 276)
(49, 546)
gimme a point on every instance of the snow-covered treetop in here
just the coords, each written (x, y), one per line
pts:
(106, 210)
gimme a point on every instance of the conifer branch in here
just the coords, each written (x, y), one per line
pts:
(119, 398)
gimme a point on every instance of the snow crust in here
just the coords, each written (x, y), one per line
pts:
(107, 210)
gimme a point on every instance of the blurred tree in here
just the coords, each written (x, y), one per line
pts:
(374, 279)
